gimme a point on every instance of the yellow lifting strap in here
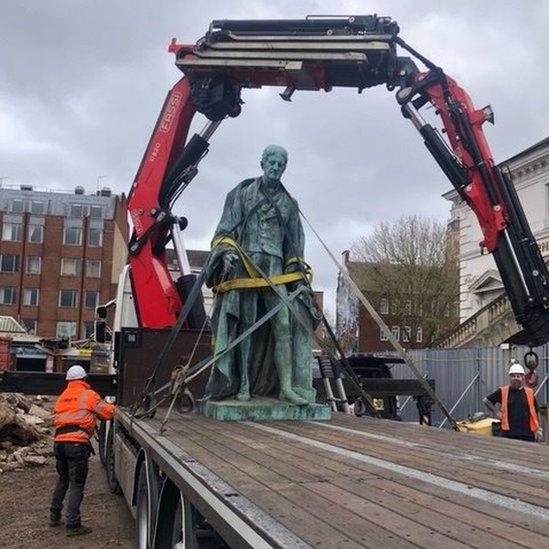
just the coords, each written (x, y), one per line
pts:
(255, 280)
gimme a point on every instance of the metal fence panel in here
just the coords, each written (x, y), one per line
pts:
(464, 376)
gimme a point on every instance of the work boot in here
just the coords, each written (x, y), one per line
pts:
(55, 519)
(78, 531)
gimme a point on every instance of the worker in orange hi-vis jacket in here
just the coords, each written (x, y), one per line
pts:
(76, 411)
(518, 408)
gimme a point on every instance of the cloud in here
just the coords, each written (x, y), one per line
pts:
(82, 84)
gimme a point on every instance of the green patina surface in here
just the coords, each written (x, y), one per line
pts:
(262, 409)
(275, 362)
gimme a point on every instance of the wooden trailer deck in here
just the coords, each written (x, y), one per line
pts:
(366, 482)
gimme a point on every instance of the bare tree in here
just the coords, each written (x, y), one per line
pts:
(410, 267)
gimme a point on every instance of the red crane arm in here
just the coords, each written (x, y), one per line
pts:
(156, 297)
(492, 217)
(319, 54)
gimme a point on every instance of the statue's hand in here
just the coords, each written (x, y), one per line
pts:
(230, 261)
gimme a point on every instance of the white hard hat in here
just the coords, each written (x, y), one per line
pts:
(75, 372)
(516, 369)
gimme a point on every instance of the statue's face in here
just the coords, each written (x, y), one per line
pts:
(274, 166)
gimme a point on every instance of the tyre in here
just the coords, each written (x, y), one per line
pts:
(112, 481)
(142, 523)
(179, 524)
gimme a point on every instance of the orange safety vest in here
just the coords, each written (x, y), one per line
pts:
(76, 411)
(534, 425)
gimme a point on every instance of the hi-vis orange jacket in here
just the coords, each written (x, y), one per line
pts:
(529, 393)
(76, 410)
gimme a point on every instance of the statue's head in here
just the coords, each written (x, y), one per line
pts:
(273, 162)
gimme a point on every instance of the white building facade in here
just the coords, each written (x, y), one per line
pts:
(480, 282)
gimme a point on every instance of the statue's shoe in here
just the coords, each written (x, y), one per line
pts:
(305, 393)
(243, 397)
(293, 398)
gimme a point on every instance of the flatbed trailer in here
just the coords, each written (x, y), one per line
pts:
(348, 482)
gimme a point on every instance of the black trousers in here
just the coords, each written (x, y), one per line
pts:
(72, 466)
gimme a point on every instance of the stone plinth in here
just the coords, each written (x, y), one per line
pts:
(261, 409)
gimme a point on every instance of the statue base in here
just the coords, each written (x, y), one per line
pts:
(261, 409)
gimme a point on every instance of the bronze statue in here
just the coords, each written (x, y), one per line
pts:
(260, 234)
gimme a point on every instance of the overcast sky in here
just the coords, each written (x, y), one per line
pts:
(82, 83)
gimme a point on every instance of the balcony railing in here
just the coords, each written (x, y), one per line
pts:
(479, 325)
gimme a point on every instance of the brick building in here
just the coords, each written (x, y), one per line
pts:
(60, 256)
(413, 320)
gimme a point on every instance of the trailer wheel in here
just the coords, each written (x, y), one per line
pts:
(359, 407)
(179, 524)
(112, 481)
(142, 511)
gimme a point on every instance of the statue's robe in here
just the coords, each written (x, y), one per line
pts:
(252, 220)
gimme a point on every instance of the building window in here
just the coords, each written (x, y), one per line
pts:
(17, 206)
(9, 263)
(76, 211)
(96, 212)
(384, 307)
(419, 334)
(33, 264)
(89, 329)
(12, 231)
(7, 296)
(394, 307)
(396, 332)
(37, 207)
(72, 236)
(382, 335)
(66, 330)
(30, 297)
(68, 298)
(36, 233)
(30, 325)
(71, 267)
(91, 300)
(407, 334)
(94, 237)
(93, 268)
(408, 307)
